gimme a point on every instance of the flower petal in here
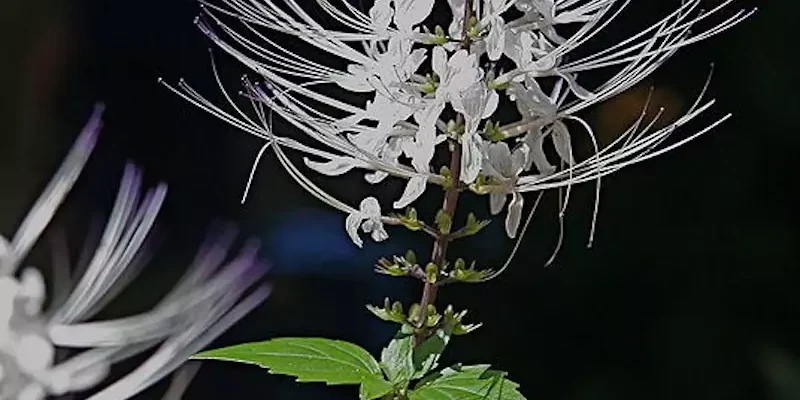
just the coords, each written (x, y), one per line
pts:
(537, 156)
(500, 157)
(355, 81)
(334, 167)
(561, 140)
(518, 48)
(421, 152)
(519, 158)
(514, 214)
(462, 72)
(379, 234)
(456, 25)
(471, 158)
(495, 42)
(411, 12)
(412, 62)
(491, 104)
(496, 202)
(439, 62)
(381, 15)
(370, 207)
(375, 177)
(351, 224)
(414, 188)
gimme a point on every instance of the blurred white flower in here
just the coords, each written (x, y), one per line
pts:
(206, 302)
(414, 87)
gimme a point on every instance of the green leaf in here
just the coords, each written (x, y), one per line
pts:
(309, 359)
(426, 355)
(374, 387)
(475, 382)
(397, 358)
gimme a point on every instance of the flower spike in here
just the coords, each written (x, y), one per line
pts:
(405, 80)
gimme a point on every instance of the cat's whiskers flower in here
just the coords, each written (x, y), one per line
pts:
(406, 110)
(212, 295)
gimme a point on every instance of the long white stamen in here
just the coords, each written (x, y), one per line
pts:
(53, 195)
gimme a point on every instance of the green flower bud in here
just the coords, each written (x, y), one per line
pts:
(432, 272)
(444, 222)
(411, 257)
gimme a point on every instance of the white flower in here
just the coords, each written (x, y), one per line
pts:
(411, 12)
(391, 68)
(504, 166)
(496, 39)
(393, 110)
(368, 218)
(380, 16)
(476, 103)
(540, 120)
(456, 75)
(202, 305)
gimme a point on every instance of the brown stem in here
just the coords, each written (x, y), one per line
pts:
(429, 291)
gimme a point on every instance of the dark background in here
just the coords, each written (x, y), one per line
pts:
(689, 292)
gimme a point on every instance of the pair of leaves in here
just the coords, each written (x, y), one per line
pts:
(340, 363)
(402, 362)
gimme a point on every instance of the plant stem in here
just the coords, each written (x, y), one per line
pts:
(430, 289)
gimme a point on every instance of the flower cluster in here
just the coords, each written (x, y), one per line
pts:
(206, 302)
(423, 87)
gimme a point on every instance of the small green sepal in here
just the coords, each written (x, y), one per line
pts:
(444, 222)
